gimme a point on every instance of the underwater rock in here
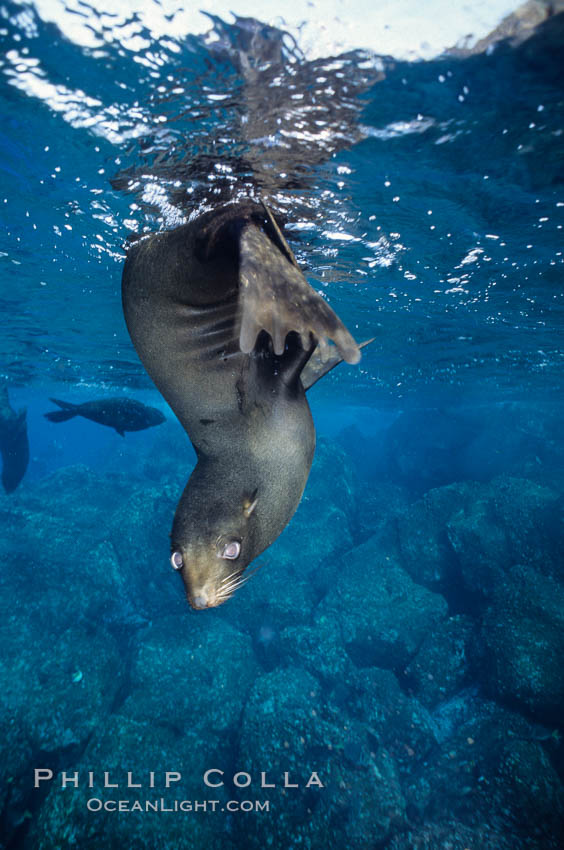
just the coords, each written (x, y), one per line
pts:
(379, 507)
(523, 644)
(426, 550)
(62, 671)
(268, 645)
(283, 732)
(370, 698)
(473, 443)
(62, 486)
(383, 615)
(509, 521)
(58, 520)
(56, 692)
(452, 835)
(106, 597)
(286, 729)
(135, 744)
(278, 596)
(369, 806)
(480, 544)
(393, 720)
(516, 27)
(17, 754)
(529, 786)
(423, 448)
(190, 667)
(366, 451)
(319, 531)
(179, 711)
(458, 539)
(532, 517)
(318, 649)
(332, 465)
(517, 439)
(59, 515)
(138, 530)
(55, 595)
(442, 666)
(480, 774)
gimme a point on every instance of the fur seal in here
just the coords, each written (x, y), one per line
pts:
(14, 444)
(232, 335)
(123, 414)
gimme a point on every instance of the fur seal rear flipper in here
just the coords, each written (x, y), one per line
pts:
(321, 362)
(224, 322)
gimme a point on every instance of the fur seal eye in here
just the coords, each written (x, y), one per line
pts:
(231, 550)
(176, 560)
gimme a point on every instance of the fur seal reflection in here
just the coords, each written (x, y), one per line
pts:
(14, 445)
(232, 335)
(123, 414)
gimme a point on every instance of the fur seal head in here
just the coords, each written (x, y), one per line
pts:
(212, 548)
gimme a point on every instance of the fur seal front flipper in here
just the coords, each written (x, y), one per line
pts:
(225, 322)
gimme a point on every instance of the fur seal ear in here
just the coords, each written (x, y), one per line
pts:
(250, 504)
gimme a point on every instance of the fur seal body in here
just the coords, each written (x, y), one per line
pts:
(232, 335)
(123, 414)
(14, 445)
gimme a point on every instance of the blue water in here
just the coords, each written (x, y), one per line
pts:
(425, 200)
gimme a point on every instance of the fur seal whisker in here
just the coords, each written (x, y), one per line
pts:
(227, 594)
(232, 577)
(233, 585)
(234, 573)
(223, 597)
(254, 571)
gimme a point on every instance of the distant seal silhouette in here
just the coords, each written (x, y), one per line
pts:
(14, 445)
(232, 335)
(123, 414)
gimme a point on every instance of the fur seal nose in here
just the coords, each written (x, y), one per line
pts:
(200, 601)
